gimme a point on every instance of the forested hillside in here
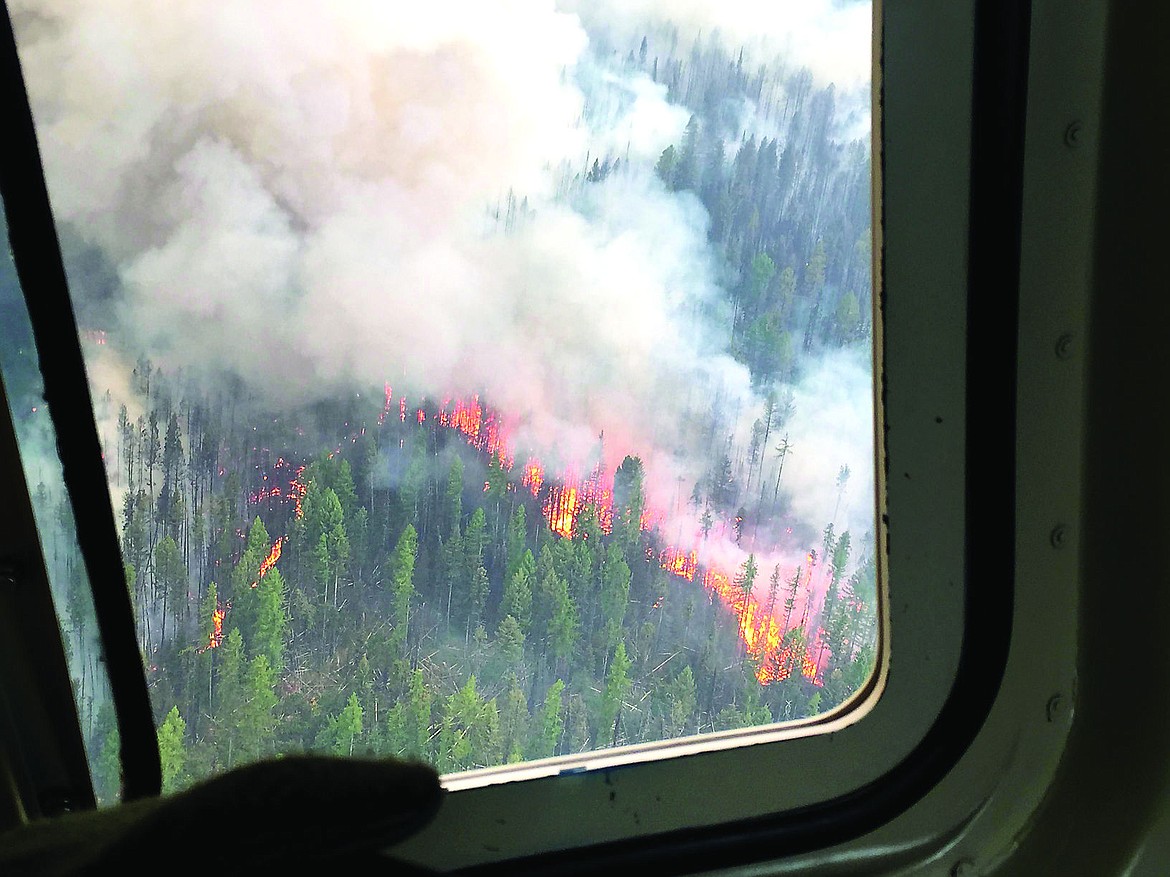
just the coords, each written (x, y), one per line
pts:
(403, 593)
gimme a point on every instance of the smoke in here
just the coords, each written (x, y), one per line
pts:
(832, 427)
(312, 197)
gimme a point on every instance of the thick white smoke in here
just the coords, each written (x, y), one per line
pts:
(304, 194)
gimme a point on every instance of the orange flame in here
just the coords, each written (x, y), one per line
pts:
(677, 563)
(762, 636)
(217, 616)
(533, 476)
(298, 489)
(262, 495)
(561, 510)
(269, 562)
(566, 502)
(483, 429)
(386, 407)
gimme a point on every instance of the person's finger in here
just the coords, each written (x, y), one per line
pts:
(291, 810)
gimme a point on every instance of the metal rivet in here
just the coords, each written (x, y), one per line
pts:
(1064, 346)
(963, 868)
(1053, 707)
(56, 802)
(9, 573)
(1072, 134)
(1058, 536)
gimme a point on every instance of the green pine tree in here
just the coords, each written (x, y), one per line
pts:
(549, 724)
(617, 686)
(171, 751)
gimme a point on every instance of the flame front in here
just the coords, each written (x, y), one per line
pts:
(533, 476)
(386, 408)
(298, 489)
(560, 510)
(483, 430)
(269, 562)
(679, 563)
(566, 500)
(217, 616)
(295, 491)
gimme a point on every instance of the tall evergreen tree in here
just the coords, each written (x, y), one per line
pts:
(171, 750)
(615, 595)
(401, 582)
(470, 736)
(409, 722)
(617, 686)
(549, 724)
(341, 734)
(518, 588)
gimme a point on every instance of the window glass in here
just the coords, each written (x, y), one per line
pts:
(479, 382)
(68, 580)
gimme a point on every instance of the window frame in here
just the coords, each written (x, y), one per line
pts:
(956, 195)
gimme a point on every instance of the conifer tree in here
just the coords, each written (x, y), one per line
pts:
(617, 686)
(453, 500)
(549, 724)
(513, 721)
(272, 619)
(470, 736)
(510, 644)
(256, 720)
(342, 733)
(402, 582)
(409, 721)
(517, 600)
(680, 695)
(629, 503)
(517, 540)
(171, 573)
(171, 750)
(230, 696)
(615, 595)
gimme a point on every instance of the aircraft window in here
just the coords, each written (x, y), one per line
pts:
(69, 582)
(479, 383)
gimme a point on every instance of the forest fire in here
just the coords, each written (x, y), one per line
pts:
(483, 430)
(678, 563)
(565, 503)
(533, 476)
(560, 510)
(269, 562)
(386, 407)
(261, 496)
(297, 489)
(610, 366)
(216, 637)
